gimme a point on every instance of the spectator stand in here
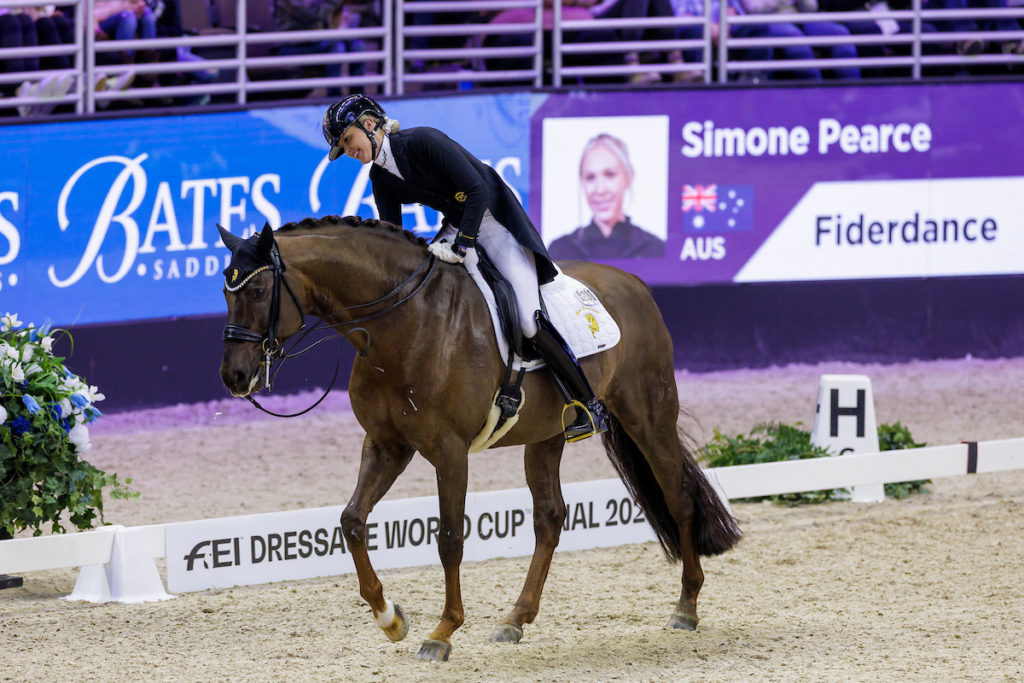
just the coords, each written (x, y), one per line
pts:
(563, 74)
(916, 41)
(286, 64)
(241, 58)
(463, 66)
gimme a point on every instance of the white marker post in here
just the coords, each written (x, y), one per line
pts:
(844, 422)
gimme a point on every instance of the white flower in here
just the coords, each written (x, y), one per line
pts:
(65, 407)
(47, 343)
(79, 437)
(9, 351)
(32, 369)
(94, 394)
(9, 322)
(3, 415)
(17, 372)
(28, 352)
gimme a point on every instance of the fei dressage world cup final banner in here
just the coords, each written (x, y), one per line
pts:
(115, 220)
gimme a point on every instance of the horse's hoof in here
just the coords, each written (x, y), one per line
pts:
(434, 651)
(506, 633)
(682, 621)
(399, 627)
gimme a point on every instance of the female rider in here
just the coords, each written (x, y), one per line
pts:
(424, 165)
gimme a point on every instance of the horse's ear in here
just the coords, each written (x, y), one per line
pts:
(266, 240)
(230, 241)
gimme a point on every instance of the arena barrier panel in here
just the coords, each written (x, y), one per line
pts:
(119, 563)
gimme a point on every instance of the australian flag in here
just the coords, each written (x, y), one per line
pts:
(717, 208)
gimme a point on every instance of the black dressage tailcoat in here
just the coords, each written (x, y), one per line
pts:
(439, 173)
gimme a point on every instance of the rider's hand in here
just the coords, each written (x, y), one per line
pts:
(443, 250)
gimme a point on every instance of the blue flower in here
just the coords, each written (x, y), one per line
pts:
(20, 425)
(30, 403)
(65, 424)
(54, 410)
(78, 401)
(91, 413)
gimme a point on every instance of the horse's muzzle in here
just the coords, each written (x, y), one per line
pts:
(240, 369)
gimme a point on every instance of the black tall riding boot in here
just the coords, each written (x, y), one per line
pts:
(590, 413)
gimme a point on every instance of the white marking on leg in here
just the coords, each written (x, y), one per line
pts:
(385, 618)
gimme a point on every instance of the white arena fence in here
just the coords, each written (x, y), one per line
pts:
(118, 562)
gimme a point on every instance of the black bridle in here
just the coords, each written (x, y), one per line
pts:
(273, 350)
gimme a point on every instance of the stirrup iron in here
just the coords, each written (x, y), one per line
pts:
(587, 423)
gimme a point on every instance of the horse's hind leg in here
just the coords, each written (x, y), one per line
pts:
(378, 470)
(542, 463)
(644, 440)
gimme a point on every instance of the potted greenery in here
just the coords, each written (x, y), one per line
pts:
(45, 411)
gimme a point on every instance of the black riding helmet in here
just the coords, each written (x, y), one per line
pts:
(344, 113)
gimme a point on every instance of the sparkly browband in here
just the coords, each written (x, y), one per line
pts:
(244, 282)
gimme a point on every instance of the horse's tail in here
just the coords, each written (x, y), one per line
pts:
(714, 528)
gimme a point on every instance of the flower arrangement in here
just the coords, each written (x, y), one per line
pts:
(45, 411)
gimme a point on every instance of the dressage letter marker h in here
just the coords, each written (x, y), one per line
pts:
(844, 422)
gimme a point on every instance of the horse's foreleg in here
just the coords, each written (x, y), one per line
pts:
(542, 463)
(378, 470)
(452, 472)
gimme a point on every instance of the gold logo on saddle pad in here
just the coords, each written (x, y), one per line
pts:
(460, 197)
(234, 274)
(592, 324)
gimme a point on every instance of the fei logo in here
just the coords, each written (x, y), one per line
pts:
(717, 208)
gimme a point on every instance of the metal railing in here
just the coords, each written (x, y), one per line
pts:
(467, 60)
(540, 47)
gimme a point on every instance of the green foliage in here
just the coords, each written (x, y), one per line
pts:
(773, 442)
(896, 437)
(44, 413)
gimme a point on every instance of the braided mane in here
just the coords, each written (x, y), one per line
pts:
(326, 223)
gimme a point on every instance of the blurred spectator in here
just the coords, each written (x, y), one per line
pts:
(811, 28)
(864, 28)
(124, 20)
(419, 65)
(974, 46)
(309, 15)
(639, 9)
(30, 27)
(168, 25)
(572, 10)
(776, 30)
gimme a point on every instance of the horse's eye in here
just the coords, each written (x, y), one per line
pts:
(258, 293)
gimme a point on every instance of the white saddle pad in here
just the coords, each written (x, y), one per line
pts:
(573, 308)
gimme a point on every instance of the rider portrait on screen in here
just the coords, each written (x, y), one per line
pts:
(606, 181)
(423, 165)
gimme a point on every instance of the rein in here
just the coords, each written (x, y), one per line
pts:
(273, 350)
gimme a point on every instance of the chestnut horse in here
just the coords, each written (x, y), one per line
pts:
(427, 371)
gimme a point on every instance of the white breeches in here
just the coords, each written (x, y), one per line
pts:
(512, 260)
